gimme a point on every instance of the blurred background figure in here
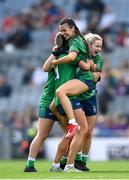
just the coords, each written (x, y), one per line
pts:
(27, 30)
(5, 88)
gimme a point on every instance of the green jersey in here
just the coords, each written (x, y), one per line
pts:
(49, 90)
(64, 73)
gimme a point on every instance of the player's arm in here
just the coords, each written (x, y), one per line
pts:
(47, 66)
(84, 65)
(97, 76)
(90, 66)
(94, 67)
(66, 59)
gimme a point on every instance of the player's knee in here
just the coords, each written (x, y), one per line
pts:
(59, 92)
(85, 128)
(52, 108)
(89, 134)
(42, 136)
(83, 131)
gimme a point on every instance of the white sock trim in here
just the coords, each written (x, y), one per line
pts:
(72, 121)
(31, 159)
(79, 152)
(56, 165)
(64, 157)
(85, 155)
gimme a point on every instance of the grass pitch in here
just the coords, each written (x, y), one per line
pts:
(99, 170)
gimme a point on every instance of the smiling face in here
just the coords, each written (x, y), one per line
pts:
(95, 47)
(67, 31)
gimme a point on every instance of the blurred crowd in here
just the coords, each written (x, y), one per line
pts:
(16, 28)
(90, 16)
(114, 83)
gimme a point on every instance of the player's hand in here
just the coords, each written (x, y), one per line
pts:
(96, 76)
(92, 65)
(55, 48)
(54, 62)
(87, 66)
(90, 61)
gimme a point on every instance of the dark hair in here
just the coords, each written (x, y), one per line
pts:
(62, 45)
(71, 23)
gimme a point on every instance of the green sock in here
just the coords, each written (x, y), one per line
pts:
(63, 160)
(78, 157)
(84, 158)
(30, 163)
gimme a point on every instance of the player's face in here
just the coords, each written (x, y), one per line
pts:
(95, 48)
(67, 31)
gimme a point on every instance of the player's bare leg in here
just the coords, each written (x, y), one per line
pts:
(44, 128)
(70, 88)
(77, 141)
(88, 139)
(62, 150)
(62, 120)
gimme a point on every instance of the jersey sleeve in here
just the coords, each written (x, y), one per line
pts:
(99, 61)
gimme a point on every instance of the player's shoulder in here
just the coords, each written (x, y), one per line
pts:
(76, 40)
